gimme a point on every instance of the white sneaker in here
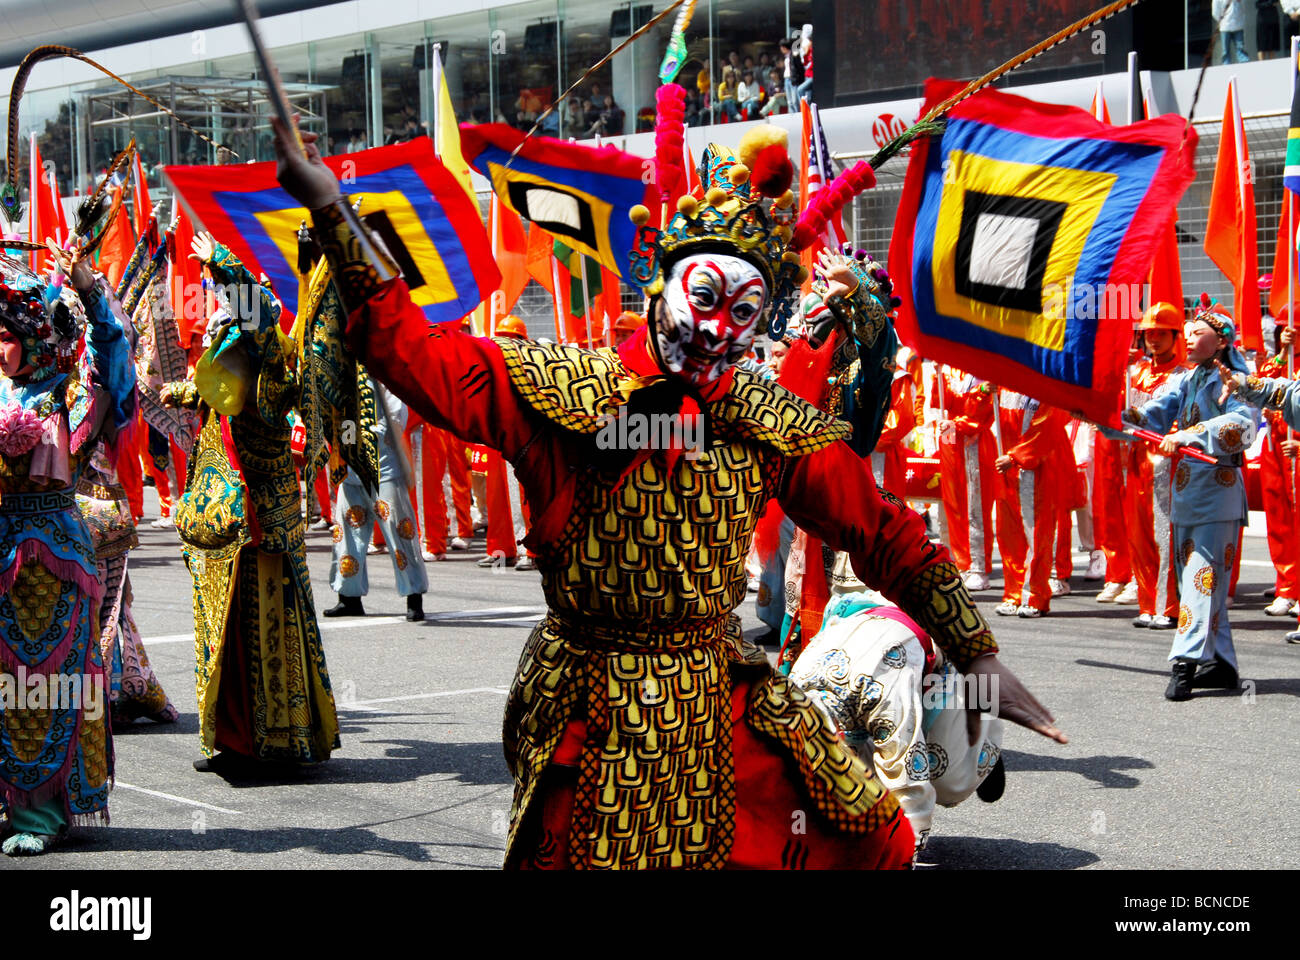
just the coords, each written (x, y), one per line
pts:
(1280, 607)
(1129, 595)
(163, 523)
(1029, 613)
(459, 543)
(1143, 620)
(1096, 566)
(1060, 588)
(432, 557)
(321, 524)
(753, 584)
(1007, 608)
(375, 548)
(974, 581)
(1109, 592)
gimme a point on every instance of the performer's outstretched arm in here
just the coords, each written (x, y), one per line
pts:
(833, 495)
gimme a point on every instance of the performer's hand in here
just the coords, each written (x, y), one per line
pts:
(204, 247)
(1008, 698)
(1004, 463)
(1232, 381)
(1291, 448)
(1287, 336)
(304, 176)
(74, 268)
(947, 431)
(834, 269)
(1170, 444)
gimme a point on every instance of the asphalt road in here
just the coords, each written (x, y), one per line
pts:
(420, 780)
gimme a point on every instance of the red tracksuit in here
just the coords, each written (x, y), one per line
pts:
(966, 470)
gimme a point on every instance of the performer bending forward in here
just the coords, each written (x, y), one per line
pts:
(637, 733)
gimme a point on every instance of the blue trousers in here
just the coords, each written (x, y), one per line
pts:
(355, 515)
(1205, 552)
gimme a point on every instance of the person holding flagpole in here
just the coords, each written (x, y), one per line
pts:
(1209, 499)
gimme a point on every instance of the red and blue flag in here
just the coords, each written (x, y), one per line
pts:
(1024, 236)
(414, 203)
(579, 194)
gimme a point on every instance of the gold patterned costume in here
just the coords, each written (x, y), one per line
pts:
(262, 684)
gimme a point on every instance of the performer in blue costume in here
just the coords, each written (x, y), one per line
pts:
(56, 750)
(1209, 503)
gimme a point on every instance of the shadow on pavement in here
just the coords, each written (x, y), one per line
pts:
(1102, 770)
(1124, 667)
(986, 853)
(185, 723)
(343, 841)
(404, 761)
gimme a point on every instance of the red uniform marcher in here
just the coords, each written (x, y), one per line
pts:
(1149, 489)
(966, 453)
(1108, 515)
(1012, 545)
(1038, 457)
(888, 459)
(502, 538)
(1279, 481)
(442, 454)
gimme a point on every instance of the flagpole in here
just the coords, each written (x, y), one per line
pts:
(559, 304)
(494, 215)
(1290, 283)
(437, 98)
(586, 297)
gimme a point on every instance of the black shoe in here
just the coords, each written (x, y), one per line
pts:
(991, 788)
(415, 607)
(1180, 682)
(1215, 676)
(346, 607)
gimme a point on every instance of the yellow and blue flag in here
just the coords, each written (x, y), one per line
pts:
(1023, 239)
(579, 194)
(418, 207)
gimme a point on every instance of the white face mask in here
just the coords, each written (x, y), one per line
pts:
(711, 307)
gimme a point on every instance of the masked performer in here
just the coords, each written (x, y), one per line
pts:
(262, 685)
(1209, 501)
(637, 733)
(56, 757)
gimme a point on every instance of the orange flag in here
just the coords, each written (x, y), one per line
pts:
(143, 208)
(541, 265)
(1277, 293)
(43, 218)
(510, 249)
(1099, 108)
(1166, 272)
(1230, 231)
(188, 302)
(115, 252)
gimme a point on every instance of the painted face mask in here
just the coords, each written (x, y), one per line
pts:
(711, 307)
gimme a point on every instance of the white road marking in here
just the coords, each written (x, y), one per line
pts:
(503, 615)
(369, 704)
(118, 784)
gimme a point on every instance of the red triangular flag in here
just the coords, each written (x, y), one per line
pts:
(188, 303)
(1277, 293)
(143, 208)
(1230, 231)
(115, 252)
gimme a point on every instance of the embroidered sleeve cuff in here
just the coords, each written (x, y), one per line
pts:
(360, 265)
(939, 603)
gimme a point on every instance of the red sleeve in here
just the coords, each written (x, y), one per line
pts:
(1040, 439)
(902, 415)
(451, 379)
(888, 547)
(886, 541)
(978, 415)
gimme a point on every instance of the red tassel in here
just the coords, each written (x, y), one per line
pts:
(773, 173)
